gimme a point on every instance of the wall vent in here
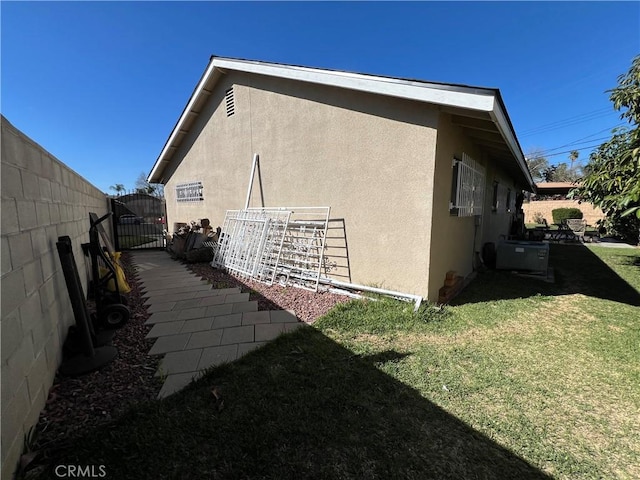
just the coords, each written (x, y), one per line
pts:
(189, 192)
(230, 102)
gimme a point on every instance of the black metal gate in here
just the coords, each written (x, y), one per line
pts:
(139, 221)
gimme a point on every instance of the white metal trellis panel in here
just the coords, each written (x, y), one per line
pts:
(271, 247)
(249, 242)
(265, 243)
(302, 257)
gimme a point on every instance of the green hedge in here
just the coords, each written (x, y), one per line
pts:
(561, 214)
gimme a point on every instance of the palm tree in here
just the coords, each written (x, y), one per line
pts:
(576, 170)
(573, 156)
(118, 187)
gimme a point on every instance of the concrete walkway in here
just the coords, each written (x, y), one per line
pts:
(196, 326)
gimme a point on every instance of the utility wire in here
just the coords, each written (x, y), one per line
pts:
(548, 152)
(562, 124)
(579, 141)
(578, 149)
(585, 114)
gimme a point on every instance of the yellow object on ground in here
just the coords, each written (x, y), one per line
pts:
(123, 286)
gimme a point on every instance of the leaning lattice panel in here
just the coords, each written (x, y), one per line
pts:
(248, 241)
(286, 244)
(302, 255)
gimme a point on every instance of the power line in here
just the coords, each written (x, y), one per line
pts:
(578, 149)
(592, 112)
(579, 141)
(564, 123)
(547, 152)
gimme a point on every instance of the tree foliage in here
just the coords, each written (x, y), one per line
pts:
(612, 176)
(537, 164)
(118, 188)
(142, 186)
(542, 171)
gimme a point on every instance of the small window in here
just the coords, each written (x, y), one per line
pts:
(467, 189)
(230, 102)
(501, 198)
(189, 192)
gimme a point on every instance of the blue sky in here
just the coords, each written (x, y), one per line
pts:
(101, 84)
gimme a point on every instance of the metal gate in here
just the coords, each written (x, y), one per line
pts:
(139, 221)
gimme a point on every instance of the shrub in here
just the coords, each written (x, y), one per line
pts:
(561, 214)
(538, 218)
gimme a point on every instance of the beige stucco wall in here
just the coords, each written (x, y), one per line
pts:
(455, 240)
(452, 237)
(368, 157)
(42, 199)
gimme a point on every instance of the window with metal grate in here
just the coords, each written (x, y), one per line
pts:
(467, 189)
(230, 102)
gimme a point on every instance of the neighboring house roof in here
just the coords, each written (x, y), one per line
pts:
(554, 188)
(479, 111)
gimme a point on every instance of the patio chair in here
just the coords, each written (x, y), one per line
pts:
(577, 226)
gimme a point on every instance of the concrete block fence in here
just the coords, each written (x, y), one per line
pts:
(545, 208)
(42, 199)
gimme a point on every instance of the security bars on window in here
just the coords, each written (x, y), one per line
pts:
(468, 195)
(269, 244)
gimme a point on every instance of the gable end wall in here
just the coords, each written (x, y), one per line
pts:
(367, 156)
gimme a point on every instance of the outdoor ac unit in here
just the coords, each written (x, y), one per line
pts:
(520, 255)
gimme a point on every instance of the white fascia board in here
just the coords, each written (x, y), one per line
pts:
(500, 119)
(194, 98)
(379, 85)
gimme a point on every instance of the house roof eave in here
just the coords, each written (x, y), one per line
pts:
(464, 97)
(502, 121)
(155, 176)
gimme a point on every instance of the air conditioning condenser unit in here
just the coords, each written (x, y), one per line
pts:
(522, 256)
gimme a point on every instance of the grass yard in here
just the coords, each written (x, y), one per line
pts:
(519, 379)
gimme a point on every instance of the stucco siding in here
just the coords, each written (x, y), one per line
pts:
(368, 157)
(452, 238)
(496, 224)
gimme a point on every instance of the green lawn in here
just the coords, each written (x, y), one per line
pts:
(519, 379)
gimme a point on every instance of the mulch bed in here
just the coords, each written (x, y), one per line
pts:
(75, 405)
(307, 305)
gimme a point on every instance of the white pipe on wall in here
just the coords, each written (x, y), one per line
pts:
(256, 158)
(415, 298)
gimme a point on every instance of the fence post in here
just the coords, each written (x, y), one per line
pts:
(114, 226)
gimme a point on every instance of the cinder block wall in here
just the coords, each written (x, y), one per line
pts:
(42, 199)
(590, 213)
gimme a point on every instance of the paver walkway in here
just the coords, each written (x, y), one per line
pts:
(196, 326)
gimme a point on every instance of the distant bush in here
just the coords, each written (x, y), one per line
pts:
(538, 218)
(561, 214)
